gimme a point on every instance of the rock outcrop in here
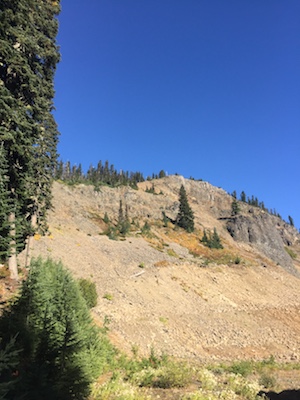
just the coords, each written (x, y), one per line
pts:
(268, 234)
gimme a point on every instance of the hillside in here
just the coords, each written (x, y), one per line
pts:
(164, 289)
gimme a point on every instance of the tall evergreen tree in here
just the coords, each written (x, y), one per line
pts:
(185, 217)
(60, 350)
(5, 206)
(28, 131)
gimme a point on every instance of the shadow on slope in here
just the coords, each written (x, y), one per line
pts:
(284, 395)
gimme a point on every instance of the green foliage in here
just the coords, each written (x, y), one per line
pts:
(28, 133)
(9, 360)
(151, 190)
(123, 220)
(156, 371)
(105, 218)
(291, 221)
(290, 253)
(185, 217)
(61, 351)
(243, 368)
(103, 174)
(108, 296)
(243, 197)
(267, 381)
(237, 260)
(212, 241)
(6, 207)
(146, 228)
(112, 232)
(165, 219)
(205, 238)
(235, 208)
(88, 291)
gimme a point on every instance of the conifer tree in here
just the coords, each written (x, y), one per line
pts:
(235, 208)
(60, 350)
(291, 221)
(28, 131)
(5, 207)
(123, 220)
(185, 217)
(205, 239)
(215, 241)
(243, 196)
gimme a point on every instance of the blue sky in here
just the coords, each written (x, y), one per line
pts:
(203, 88)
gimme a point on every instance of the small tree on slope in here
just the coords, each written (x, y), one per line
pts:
(185, 217)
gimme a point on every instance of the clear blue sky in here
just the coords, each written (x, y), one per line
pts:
(203, 88)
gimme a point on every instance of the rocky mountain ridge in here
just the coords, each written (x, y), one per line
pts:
(166, 289)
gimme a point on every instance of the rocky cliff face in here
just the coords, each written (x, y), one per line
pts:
(267, 233)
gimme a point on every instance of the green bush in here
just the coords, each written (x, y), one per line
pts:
(88, 291)
(243, 368)
(157, 372)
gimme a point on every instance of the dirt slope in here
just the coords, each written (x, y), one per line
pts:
(154, 292)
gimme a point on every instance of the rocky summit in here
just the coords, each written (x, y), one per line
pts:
(161, 287)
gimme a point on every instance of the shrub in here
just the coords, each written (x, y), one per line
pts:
(88, 291)
(243, 368)
(267, 381)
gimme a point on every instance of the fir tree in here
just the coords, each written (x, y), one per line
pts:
(204, 239)
(185, 217)
(235, 208)
(215, 241)
(106, 218)
(212, 241)
(123, 220)
(165, 219)
(27, 64)
(5, 207)
(243, 196)
(60, 348)
(291, 221)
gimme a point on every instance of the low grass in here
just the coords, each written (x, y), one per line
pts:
(291, 253)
